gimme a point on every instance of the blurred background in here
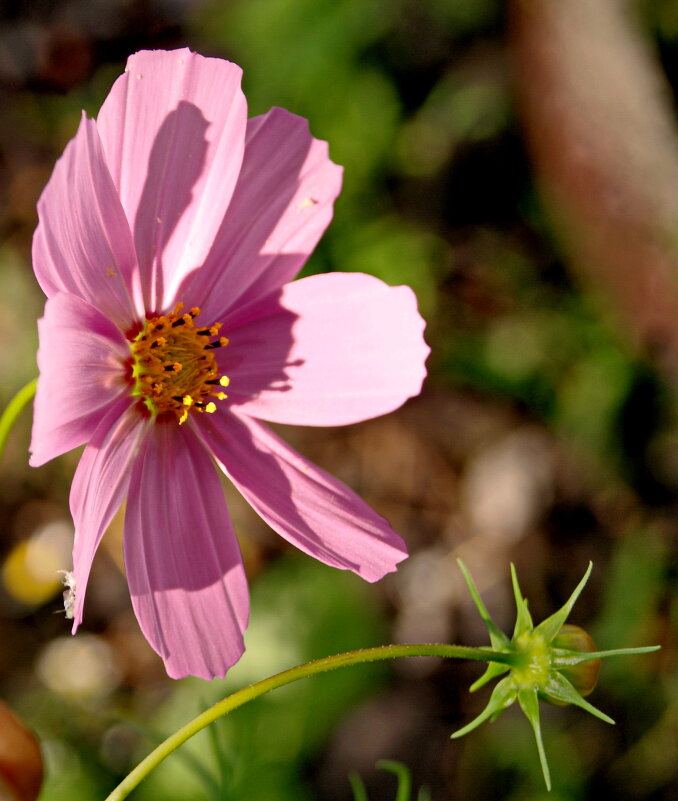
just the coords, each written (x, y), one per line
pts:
(516, 163)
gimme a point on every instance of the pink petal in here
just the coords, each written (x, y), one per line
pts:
(99, 486)
(303, 503)
(83, 244)
(173, 131)
(328, 350)
(280, 208)
(185, 574)
(82, 372)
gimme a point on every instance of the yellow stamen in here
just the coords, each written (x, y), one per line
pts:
(174, 367)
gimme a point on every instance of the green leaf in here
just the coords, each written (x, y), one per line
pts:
(552, 625)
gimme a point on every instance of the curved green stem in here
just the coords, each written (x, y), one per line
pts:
(241, 697)
(14, 409)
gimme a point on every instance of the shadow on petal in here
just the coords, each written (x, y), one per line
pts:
(168, 191)
(247, 259)
(256, 359)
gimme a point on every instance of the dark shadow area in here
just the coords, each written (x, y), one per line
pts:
(262, 327)
(176, 162)
(218, 284)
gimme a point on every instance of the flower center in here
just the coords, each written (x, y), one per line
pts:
(174, 368)
(533, 671)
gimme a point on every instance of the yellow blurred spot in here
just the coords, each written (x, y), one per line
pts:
(29, 572)
(79, 666)
(22, 583)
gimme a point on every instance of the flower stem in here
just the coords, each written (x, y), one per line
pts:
(14, 409)
(241, 697)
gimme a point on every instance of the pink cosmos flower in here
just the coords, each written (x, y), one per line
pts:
(168, 235)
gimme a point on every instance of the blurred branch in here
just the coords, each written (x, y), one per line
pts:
(14, 409)
(601, 132)
(243, 696)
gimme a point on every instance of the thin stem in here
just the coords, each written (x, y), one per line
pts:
(14, 409)
(241, 697)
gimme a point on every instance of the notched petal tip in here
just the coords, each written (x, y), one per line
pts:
(304, 504)
(354, 350)
(179, 669)
(173, 133)
(398, 552)
(144, 63)
(37, 457)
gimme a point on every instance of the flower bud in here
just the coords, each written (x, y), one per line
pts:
(554, 661)
(584, 676)
(21, 769)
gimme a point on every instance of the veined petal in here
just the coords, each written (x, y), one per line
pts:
(99, 486)
(185, 574)
(83, 243)
(173, 131)
(328, 350)
(81, 359)
(280, 208)
(303, 503)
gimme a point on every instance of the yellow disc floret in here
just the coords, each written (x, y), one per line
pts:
(174, 367)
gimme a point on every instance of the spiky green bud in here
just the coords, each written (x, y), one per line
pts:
(554, 661)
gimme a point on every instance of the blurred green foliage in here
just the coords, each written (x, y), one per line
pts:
(403, 777)
(300, 611)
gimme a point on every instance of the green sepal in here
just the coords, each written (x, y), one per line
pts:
(560, 689)
(497, 636)
(523, 617)
(493, 670)
(503, 695)
(529, 703)
(563, 658)
(552, 625)
(536, 663)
